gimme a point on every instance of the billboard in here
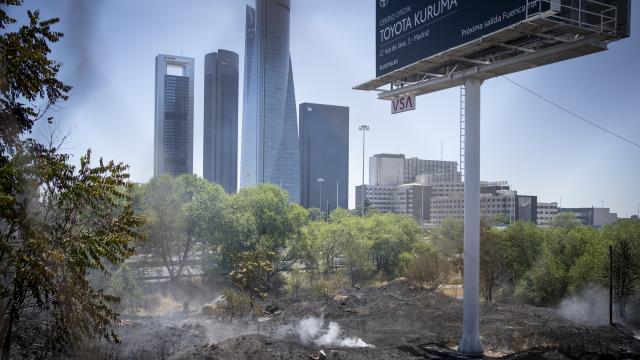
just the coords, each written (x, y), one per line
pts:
(408, 31)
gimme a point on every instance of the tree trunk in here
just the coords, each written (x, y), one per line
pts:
(6, 344)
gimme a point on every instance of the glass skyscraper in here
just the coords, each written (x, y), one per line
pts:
(324, 154)
(270, 152)
(221, 119)
(173, 130)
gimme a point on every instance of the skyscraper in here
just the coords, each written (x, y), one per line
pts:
(221, 119)
(270, 152)
(324, 154)
(173, 115)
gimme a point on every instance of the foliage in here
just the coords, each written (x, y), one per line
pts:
(261, 218)
(391, 235)
(67, 223)
(28, 77)
(625, 240)
(125, 286)
(59, 222)
(236, 304)
(252, 271)
(181, 212)
(427, 267)
(492, 253)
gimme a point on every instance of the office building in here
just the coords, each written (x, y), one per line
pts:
(396, 169)
(497, 200)
(173, 126)
(437, 171)
(324, 155)
(546, 213)
(220, 160)
(595, 217)
(408, 199)
(386, 169)
(270, 150)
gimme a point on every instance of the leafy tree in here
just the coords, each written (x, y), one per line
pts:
(427, 267)
(28, 77)
(261, 218)
(68, 223)
(522, 246)
(355, 248)
(252, 271)
(183, 213)
(125, 285)
(58, 221)
(625, 238)
(391, 235)
(492, 254)
(566, 221)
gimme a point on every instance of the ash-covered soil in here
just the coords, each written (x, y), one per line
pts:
(400, 321)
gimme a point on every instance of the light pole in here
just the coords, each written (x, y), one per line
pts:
(364, 129)
(320, 181)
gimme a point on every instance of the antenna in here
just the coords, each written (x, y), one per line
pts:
(440, 150)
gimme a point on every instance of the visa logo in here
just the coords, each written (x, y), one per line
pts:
(403, 103)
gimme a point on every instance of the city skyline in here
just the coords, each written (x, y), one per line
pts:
(540, 149)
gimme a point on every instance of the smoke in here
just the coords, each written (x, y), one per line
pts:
(79, 22)
(315, 331)
(590, 306)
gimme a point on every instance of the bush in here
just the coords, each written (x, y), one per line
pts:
(238, 305)
(428, 269)
(329, 286)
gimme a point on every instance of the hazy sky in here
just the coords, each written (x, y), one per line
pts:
(110, 45)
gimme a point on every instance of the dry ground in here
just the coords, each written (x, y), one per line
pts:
(400, 321)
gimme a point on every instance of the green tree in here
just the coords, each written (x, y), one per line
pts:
(252, 272)
(391, 235)
(625, 239)
(427, 267)
(566, 221)
(493, 251)
(183, 213)
(59, 222)
(523, 246)
(261, 218)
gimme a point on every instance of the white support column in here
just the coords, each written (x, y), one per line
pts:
(470, 344)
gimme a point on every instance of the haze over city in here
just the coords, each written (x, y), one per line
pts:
(536, 147)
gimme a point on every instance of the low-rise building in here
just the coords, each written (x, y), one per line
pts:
(595, 217)
(408, 199)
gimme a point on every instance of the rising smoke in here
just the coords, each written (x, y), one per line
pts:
(590, 306)
(316, 331)
(79, 22)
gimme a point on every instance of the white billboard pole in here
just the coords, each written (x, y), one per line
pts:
(470, 344)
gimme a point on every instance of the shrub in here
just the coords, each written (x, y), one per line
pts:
(428, 269)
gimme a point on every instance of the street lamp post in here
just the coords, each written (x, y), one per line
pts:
(364, 129)
(320, 181)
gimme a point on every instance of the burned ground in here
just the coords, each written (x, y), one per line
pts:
(402, 322)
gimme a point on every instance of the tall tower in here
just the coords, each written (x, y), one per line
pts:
(324, 156)
(221, 119)
(270, 152)
(173, 115)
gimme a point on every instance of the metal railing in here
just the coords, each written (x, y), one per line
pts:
(586, 14)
